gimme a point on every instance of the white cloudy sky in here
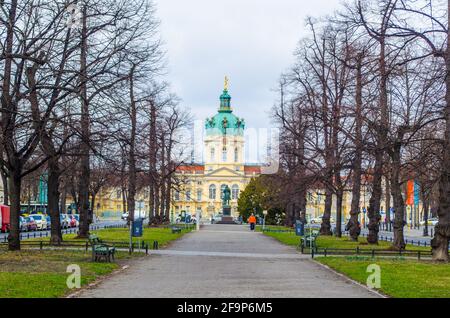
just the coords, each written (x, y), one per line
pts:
(250, 41)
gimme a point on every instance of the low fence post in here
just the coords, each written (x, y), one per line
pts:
(40, 245)
(87, 246)
(146, 249)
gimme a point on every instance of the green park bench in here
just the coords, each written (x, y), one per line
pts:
(308, 241)
(176, 230)
(101, 250)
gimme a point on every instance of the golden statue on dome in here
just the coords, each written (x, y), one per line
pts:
(226, 83)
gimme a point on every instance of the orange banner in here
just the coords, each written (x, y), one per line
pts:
(410, 193)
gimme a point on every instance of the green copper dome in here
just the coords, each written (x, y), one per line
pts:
(225, 122)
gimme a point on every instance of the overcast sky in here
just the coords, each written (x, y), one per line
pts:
(250, 41)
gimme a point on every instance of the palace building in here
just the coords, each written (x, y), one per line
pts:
(224, 165)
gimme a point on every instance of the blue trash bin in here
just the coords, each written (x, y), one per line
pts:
(299, 228)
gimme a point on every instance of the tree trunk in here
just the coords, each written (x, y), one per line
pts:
(354, 226)
(382, 129)
(388, 199)
(64, 200)
(325, 228)
(54, 174)
(85, 128)
(339, 201)
(152, 160)
(15, 182)
(132, 155)
(442, 230)
(396, 191)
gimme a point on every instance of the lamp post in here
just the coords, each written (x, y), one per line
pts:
(265, 212)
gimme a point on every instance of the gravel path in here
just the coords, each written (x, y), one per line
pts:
(226, 261)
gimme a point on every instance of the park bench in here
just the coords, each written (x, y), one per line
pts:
(309, 240)
(101, 250)
(176, 230)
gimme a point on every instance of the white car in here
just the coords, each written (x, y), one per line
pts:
(318, 220)
(431, 221)
(125, 216)
(41, 221)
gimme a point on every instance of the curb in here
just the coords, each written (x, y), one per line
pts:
(348, 279)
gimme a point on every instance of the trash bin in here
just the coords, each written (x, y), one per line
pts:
(299, 228)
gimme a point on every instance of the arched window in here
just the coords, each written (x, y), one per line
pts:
(235, 192)
(212, 192)
(224, 154)
(213, 154)
(236, 155)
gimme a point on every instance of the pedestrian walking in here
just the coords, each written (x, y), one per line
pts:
(252, 222)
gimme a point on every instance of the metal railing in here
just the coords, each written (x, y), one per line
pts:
(318, 251)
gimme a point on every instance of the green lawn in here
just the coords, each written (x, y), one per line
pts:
(399, 278)
(164, 236)
(42, 274)
(334, 242)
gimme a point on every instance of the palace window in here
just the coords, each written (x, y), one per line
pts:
(188, 195)
(224, 154)
(236, 155)
(177, 195)
(213, 154)
(199, 195)
(235, 192)
(212, 192)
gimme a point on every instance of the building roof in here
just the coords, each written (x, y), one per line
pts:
(195, 169)
(225, 122)
(252, 169)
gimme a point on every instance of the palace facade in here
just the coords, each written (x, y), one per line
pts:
(224, 165)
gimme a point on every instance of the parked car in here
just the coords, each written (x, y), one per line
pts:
(23, 226)
(49, 222)
(77, 217)
(431, 221)
(318, 220)
(72, 221)
(125, 216)
(31, 223)
(41, 221)
(64, 221)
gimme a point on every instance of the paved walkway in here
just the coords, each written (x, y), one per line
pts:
(226, 261)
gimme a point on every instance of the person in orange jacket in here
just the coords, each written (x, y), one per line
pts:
(252, 222)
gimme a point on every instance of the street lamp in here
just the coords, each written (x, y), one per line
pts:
(265, 212)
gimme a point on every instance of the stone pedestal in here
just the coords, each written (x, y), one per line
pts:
(226, 218)
(226, 211)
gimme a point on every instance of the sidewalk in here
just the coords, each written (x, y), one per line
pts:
(227, 261)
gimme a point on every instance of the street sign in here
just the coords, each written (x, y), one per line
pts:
(137, 228)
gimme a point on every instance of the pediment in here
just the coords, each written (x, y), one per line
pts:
(224, 172)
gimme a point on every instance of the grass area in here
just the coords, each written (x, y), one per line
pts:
(163, 235)
(400, 278)
(42, 274)
(291, 239)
